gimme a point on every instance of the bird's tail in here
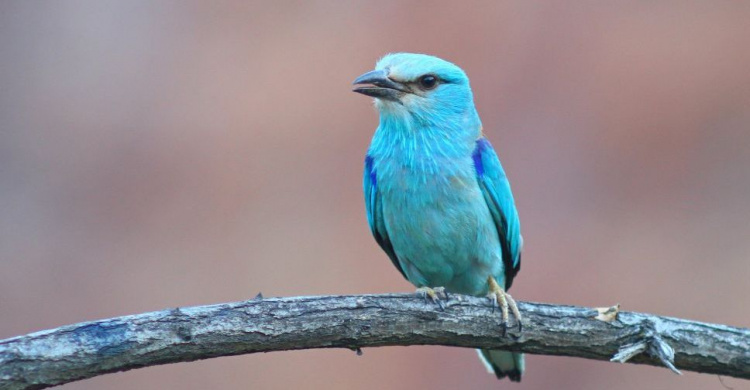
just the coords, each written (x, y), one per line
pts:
(503, 363)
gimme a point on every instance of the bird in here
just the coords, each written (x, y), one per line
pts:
(438, 200)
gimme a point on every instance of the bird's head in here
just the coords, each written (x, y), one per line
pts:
(420, 86)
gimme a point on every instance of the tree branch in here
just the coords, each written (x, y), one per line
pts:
(85, 350)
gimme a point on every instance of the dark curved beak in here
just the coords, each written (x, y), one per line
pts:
(380, 86)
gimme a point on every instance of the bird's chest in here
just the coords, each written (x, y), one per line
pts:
(435, 218)
(430, 205)
(435, 185)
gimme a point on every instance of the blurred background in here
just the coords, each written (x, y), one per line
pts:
(156, 154)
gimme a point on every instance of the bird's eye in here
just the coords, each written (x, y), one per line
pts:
(428, 81)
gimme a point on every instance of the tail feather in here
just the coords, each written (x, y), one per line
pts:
(503, 363)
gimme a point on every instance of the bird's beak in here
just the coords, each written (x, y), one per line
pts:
(380, 86)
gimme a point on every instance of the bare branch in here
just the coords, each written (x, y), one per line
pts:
(85, 350)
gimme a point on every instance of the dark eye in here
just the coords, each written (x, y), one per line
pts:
(428, 81)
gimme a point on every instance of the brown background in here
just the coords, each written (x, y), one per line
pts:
(156, 154)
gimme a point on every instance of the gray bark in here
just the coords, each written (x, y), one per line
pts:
(85, 350)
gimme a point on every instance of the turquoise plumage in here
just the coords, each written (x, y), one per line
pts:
(437, 198)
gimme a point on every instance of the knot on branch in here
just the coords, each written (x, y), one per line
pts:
(652, 344)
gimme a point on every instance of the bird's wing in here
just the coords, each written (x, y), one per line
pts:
(496, 190)
(374, 208)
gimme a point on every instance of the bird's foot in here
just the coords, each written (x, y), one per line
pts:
(434, 294)
(499, 297)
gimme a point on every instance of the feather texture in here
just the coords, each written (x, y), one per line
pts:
(437, 198)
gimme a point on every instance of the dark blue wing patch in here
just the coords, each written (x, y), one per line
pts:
(496, 190)
(374, 209)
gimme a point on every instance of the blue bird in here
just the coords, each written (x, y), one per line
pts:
(438, 201)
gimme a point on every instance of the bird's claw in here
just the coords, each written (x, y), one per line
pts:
(434, 294)
(507, 304)
(504, 327)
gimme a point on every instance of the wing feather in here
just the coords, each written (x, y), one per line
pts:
(496, 190)
(374, 208)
